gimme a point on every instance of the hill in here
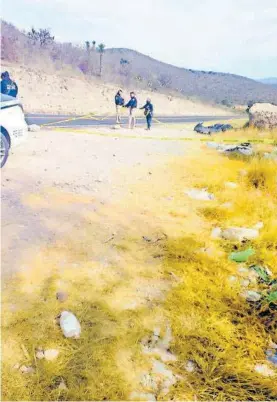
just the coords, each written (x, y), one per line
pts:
(269, 81)
(131, 69)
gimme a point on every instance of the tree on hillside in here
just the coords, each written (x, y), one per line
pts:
(101, 50)
(87, 42)
(42, 37)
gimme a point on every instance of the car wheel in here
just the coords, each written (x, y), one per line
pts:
(4, 150)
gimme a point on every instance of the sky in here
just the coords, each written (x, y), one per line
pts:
(236, 36)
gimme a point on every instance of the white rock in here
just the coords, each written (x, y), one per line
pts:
(62, 386)
(239, 234)
(33, 127)
(147, 381)
(272, 345)
(27, 370)
(216, 233)
(51, 354)
(243, 172)
(230, 184)
(263, 115)
(227, 205)
(258, 225)
(243, 270)
(167, 339)
(232, 278)
(252, 296)
(16, 366)
(245, 283)
(264, 370)
(201, 194)
(164, 355)
(141, 396)
(190, 366)
(70, 325)
(40, 354)
(160, 369)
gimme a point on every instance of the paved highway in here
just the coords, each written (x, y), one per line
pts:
(71, 121)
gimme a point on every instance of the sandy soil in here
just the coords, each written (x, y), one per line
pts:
(65, 93)
(59, 182)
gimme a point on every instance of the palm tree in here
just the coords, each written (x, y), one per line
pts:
(101, 50)
(93, 44)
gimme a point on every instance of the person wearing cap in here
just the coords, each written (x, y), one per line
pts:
(8, 87)
(119, 102)
(132, 106)
(148, 112)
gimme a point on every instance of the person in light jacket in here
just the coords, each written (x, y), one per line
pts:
(132, 106)
(119, 102)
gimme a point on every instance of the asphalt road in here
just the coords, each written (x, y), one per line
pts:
(80, 121)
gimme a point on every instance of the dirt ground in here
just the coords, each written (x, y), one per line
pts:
(58, 179)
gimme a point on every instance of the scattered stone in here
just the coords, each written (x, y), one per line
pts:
(206, 250)
(258, 225)
(16, 366)
(272, 356)
(33, 127)
(239, 234)
(252, 296)
(263, 115)
(62, 386)
(264, 370)
(232, 278)
(116, 127)
(27, 370)
(70, 325)
(244, 149)
(190, 366)
(272, 345)
(242, 270)
(245, 283)
(160, 369)
(201, 194)
(61, 296)
(230, 184)
(51, 354)
(271, 155)
(216, 233)
(149, 382)
(227, 205)
(147, 239)
(142, 396)
(40, 354)
(243, 172)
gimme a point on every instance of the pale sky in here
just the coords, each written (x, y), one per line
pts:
(237, 36)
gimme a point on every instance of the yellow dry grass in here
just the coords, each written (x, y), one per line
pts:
(146, 284)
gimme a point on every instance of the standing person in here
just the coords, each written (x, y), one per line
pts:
(119, 102)
(8, 87)
(132, 105)
(148, 112)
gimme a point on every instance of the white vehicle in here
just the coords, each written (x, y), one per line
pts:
(14, 128)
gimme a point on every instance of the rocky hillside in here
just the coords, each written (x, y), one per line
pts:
(132, 69)
(55, 92)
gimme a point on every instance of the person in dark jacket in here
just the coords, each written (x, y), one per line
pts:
(119, 102)
(8, 87)
(132, 106)
(148, 112)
